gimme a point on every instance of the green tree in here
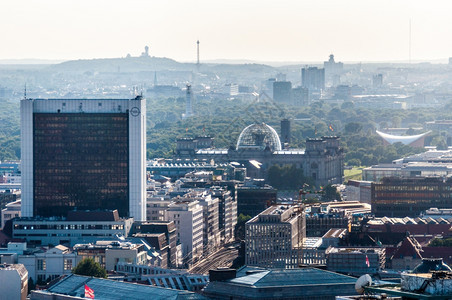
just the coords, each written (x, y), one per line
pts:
(441, 243)
(240, 226)
(353, 127)
(89, 267)
(31, 285)
(287, 177)
(331, 193)
(354, 162)
(348, 105)
(396, 121)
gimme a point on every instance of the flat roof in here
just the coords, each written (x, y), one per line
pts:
(289, 277)
(115, 290)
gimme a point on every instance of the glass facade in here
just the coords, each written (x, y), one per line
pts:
(402, 197)
(80, 161)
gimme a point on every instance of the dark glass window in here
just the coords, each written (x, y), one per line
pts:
(81, 161)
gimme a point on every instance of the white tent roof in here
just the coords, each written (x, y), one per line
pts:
(404, 139)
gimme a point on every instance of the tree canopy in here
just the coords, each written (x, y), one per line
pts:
(89, 267)
(224, 120)
(441, 243)
(287, 177)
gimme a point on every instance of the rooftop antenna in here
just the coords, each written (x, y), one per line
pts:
(25, 91)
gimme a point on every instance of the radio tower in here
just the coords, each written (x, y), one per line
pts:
(197, 56)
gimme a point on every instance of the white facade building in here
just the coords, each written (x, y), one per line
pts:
(188, 219)
(51, 264)
(211, 231)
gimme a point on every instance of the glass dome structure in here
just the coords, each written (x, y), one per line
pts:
(258, 137)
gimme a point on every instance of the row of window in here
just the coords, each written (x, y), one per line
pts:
(70, 227)
(41, 264)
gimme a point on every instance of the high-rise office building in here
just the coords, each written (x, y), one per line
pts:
(83, 154)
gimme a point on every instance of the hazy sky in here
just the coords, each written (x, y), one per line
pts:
(275, 30)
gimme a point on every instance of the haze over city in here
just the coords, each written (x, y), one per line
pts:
(225, 149)
(288, 31)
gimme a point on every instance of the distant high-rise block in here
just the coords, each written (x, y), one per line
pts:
(377, 80)
(282, 91)
(332, 67)
(285, 131)
(313, 78)
(83, 154)
(300, 96)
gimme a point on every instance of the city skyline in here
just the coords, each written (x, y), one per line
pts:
(236, 30)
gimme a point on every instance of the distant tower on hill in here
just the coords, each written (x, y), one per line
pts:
(146, 52)
(197, 55)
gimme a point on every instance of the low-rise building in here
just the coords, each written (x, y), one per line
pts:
(73, 287)
(109, 253)
(158, 227)
(401, 197)
(253, 197)
(356, 261)
(257, 283)
(51, 263)
(320, 219)
(10, 253)
(333, 237)
(167, 278)
(14, 281)
(124, 252)
(11, 211)
(358, 190)
(81, 227)
(158, 254)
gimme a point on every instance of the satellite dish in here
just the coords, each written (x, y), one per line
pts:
(362, 281)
